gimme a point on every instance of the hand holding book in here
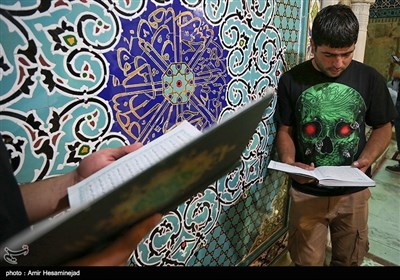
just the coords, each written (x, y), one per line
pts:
(332, 176)
(154, 179)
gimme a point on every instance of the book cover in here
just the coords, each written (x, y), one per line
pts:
(162, 186)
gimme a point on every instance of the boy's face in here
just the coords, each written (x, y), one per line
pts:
(332, 61)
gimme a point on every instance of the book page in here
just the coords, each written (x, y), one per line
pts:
(291, 169)
(341, 173)
(130, 165)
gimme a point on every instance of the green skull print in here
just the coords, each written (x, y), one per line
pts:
(330, 115)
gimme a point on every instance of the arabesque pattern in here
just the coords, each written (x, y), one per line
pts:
(79, 76)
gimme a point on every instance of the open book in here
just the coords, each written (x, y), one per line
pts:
(154, 179)
(331, 176)
(128, 166)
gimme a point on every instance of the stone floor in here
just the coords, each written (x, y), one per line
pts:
(384, 214)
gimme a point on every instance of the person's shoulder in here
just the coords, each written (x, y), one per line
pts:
(301, 67)
(367, 71)
(364, 67)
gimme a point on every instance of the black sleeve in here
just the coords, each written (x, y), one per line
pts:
(283, 112)
(381, 109)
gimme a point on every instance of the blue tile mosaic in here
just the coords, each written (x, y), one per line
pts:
(79, 76)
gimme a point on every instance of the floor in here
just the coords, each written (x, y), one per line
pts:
(384, 216)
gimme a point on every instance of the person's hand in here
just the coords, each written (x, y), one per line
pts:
(119, 251)
(102, 158)
(302, 179)
(362, 164)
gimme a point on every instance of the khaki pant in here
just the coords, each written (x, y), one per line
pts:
(346, 217)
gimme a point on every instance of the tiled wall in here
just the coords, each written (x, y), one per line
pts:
(79, 76)
(383, 36)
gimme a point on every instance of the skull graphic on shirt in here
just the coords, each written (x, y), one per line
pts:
(330, 116)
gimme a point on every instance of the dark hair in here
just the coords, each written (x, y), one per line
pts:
(335, 26)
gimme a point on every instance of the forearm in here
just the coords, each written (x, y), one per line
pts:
(285, 145)
(46, 197)
(377, 143)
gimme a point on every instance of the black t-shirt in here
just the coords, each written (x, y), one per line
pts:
(13, 217)
(329, 115)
